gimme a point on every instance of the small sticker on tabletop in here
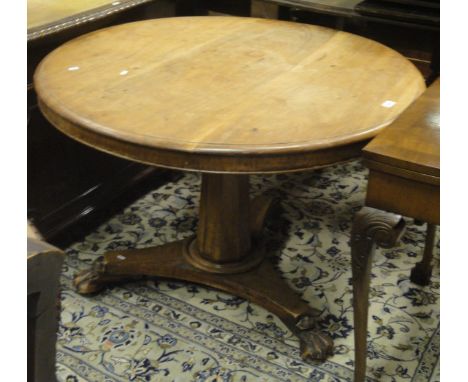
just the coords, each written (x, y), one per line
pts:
(388, 103)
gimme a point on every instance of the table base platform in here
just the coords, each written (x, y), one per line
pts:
(227, 254)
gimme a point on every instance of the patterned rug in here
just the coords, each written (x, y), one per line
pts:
(157, 330)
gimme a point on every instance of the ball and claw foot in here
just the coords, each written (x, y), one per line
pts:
(421, 274)
(314, 345)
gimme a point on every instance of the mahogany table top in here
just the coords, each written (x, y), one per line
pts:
(225, 94)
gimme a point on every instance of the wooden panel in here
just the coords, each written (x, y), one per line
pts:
(264, 10)
(403, 196)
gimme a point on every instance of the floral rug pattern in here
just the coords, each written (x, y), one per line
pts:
(155, 330)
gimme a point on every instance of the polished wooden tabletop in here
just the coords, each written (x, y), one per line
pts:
(205, 93)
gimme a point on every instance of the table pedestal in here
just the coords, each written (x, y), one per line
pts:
(227, 253)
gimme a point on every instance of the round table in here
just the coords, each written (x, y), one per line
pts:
(226, 96)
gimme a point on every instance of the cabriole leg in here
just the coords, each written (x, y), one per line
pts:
(371, 227)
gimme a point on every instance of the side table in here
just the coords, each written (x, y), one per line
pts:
(404, 178)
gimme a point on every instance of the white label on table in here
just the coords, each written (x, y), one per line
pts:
(388, 103)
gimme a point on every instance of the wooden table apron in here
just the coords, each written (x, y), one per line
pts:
(228, 97)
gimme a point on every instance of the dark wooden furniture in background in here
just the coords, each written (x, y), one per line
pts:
(404, 178)
(44, 266)
(412, 11)
(411, 32)
(417, 41)
(258, 96)
(69, 183)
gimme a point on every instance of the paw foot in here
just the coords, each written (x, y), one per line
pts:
(89, 281)
(315, 345)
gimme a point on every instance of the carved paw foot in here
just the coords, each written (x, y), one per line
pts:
(89, 281)
(421, 274)
(95, 279)
(315, 345)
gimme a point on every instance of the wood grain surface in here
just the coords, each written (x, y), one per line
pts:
(199, 93)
